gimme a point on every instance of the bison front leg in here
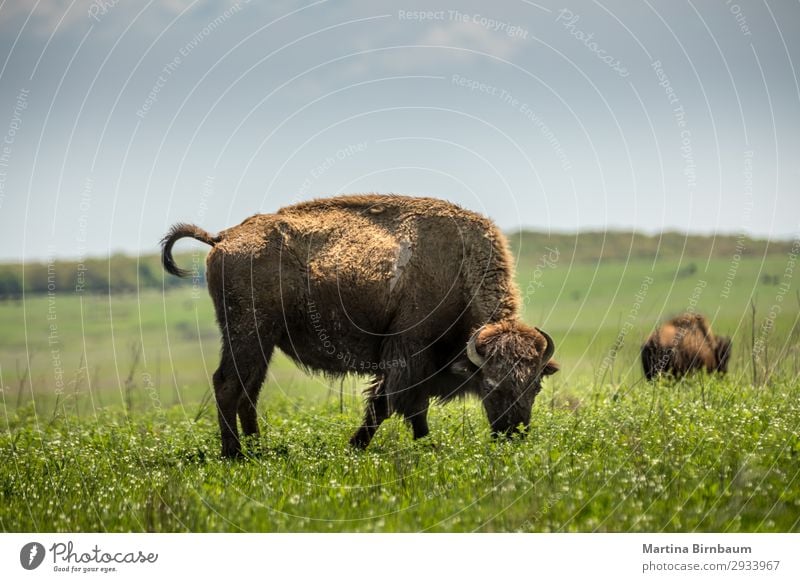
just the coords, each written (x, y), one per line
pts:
(419, 423)
(375, 412)
(649, 361)
(415, 412)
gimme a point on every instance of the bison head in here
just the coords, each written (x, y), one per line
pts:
(512, 358)
(722, 352)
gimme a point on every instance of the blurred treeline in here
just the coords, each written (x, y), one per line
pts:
(121, 273)
(592, 246)
(116, 274)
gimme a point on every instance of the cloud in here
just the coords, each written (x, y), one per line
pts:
(490, 37)
(452, 34)
(44, 17)
(47, 17)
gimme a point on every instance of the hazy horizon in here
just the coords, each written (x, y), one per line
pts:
(188, 245)
(118, 120)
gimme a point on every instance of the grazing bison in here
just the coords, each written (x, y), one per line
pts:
(415, 292)
(683, 344)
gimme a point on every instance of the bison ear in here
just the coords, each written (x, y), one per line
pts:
(550, 368)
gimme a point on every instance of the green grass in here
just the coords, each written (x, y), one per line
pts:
(712, 458)
(127, 442)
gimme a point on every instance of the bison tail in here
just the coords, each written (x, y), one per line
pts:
(179, 231)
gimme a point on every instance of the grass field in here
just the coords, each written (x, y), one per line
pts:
(108, 423)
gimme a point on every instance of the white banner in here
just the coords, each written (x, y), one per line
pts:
(400, 557)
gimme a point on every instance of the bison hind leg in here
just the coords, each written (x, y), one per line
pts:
(237, 383)
(252, 387)
(227, 391)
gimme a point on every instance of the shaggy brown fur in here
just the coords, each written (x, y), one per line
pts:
(683, 344)
(388, 286)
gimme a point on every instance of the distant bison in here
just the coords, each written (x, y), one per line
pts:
(683, 344)
(415, 292)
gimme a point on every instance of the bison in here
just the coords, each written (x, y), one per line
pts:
(682, 345)
(417, 293)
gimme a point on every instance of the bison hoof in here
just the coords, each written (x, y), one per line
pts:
(360, 440)
(231, 451)
(421, 433)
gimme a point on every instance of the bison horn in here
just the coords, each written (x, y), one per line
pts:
(472, 351)
(549, 350)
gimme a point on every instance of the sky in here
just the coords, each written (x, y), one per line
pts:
(119, 118)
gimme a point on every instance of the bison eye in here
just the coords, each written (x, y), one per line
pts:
(491, 383)
(535, 385)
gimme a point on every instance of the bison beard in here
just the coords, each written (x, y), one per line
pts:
(682, 345)
(415, 291)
